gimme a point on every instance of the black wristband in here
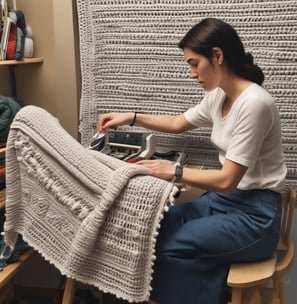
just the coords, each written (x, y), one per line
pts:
(134, 120)
(178, 172)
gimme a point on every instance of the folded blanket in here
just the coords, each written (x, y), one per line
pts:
(94, 217)
(8, 109)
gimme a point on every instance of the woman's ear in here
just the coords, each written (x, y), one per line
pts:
(218, 55)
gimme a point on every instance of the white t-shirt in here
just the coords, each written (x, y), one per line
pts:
(250, 135)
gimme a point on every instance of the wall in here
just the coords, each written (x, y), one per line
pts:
(54, 84)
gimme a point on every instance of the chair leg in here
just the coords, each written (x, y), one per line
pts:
(246, 296)
(236, 295)
(69, 291)
(282, 291)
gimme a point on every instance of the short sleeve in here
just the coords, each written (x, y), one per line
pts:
(253, 124)
(202, 115)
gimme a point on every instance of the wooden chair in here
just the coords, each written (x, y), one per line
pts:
(262, 282)
(69, 291)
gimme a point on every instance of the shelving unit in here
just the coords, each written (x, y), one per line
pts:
(7, 274)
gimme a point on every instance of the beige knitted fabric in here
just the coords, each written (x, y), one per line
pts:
(92, 216)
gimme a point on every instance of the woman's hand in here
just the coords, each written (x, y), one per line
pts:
(113, 120)
(159, 168)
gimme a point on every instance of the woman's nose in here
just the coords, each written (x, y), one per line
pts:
(193, 74)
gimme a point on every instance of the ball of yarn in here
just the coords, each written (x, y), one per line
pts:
(29, 31)
(13, 17)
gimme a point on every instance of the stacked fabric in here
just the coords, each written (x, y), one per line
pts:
(20, 42)
(16, 37)
(8, 109)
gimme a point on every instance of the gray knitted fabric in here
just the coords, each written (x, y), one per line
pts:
(92, 216)
(130, 62)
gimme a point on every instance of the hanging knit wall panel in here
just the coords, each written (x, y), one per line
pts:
(130, 62)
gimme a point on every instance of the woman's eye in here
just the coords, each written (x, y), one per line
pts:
(193, 63)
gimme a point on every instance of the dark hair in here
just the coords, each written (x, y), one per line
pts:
(211, 33)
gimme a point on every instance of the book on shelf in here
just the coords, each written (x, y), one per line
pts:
(5, 29)
(4, 38)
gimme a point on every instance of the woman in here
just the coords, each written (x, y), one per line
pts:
(239, 218)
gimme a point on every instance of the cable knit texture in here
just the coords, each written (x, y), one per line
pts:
(94, 217)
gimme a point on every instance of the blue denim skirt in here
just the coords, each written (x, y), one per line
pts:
(199, 240)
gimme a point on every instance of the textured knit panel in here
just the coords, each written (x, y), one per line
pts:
(94, 217)
(130, 62)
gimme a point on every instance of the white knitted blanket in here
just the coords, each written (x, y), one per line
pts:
(130, 62)
(92, 216)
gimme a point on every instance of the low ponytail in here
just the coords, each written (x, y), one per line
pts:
(211, 33)
(249, 70)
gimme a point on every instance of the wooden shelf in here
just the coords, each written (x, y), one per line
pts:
(23, 61)
(11, 269)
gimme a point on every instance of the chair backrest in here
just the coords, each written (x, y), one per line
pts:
(288, 213)
(285, 243)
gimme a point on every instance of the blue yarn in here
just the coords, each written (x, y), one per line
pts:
(11, 256)
(21, 21)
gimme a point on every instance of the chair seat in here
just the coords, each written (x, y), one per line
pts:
(251, 274)
(262, 282)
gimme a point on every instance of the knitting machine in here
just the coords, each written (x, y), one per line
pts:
(127, 146)
(132, 146)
